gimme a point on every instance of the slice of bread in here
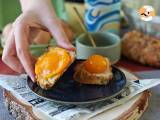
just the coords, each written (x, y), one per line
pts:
(83, 76)
(47, 83)
(141, 48)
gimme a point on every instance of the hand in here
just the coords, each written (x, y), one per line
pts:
(16, 51)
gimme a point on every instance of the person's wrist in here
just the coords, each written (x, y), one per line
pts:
(34, 5)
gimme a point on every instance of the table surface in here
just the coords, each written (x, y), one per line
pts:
(153, 110)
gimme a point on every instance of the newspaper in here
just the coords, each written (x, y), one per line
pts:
(53, 111)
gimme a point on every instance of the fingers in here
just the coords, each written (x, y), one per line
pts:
(9, 54)
(67, 29)
(57, 31)
(66, 45)
(22, 47)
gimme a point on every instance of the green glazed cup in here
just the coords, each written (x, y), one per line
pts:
(108, 45)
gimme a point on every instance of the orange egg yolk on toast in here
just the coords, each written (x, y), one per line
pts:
(51, 65)
(96, 64)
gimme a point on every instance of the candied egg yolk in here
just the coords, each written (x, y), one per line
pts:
(52, 62)
(96, 64)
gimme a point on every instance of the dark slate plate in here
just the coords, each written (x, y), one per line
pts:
(68, 91)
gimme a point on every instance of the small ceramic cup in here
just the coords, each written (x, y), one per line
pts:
(107, 44)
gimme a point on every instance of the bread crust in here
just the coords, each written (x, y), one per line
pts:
(142, 48)
(84, 77)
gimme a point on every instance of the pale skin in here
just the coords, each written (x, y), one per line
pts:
(35, 14)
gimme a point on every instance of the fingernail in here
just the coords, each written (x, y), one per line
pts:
(33, 78)
(72, 48)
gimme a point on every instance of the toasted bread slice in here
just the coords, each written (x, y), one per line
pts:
(83, 76)
(47, 83)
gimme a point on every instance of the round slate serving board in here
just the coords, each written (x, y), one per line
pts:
(68, 91)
